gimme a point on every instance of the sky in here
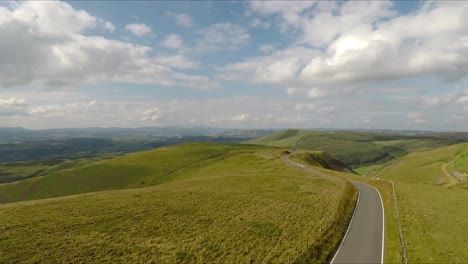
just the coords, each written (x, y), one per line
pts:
(235, 64)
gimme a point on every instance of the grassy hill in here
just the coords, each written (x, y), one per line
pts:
(208, 203)
(432, 193)
(17, 171)
(357, 149)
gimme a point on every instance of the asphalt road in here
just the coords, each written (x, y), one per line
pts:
(364, 240)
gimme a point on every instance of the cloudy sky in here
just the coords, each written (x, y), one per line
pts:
(301, 64)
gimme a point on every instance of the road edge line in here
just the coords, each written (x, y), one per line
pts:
(383, 225)
(349, 225)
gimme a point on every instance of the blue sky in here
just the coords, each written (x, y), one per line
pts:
(275, 64)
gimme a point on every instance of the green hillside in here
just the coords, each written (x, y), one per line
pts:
(132, 171)
(357, 149)
(17, 171)
(321, 159)
(432, 193)
(209, 203)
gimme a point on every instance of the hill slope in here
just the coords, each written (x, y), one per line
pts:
(432, 194)
(212, 204)
(357, 149)
(136, 170)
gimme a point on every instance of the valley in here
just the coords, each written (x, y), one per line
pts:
(237, 202)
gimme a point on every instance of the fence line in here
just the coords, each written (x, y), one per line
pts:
(399, 225)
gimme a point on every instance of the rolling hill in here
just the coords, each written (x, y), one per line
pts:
(357, 149)
(432, 193)
(205, 203)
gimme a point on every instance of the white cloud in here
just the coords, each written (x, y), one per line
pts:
(462, 100)
(184, 20)
(109, 26)
(266, 48)
(234, 112)
(54, 111)
(316, 93)
(46, 17)
(43, 43)
(290, 11)
(223, 36)
(368, 41)
(257, 23)
(430, 101)
(241, 117)
(172, 41)
(279, 67)
(138, 29)
(176, 61)
(153, 114)
(13, 106)
(417, 117)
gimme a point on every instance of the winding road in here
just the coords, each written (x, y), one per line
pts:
(364, 241)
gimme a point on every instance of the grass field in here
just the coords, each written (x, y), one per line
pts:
(357, 149)
(393, 247)
(17, 171)
(433, 209)
(132, 171)
(209, 203)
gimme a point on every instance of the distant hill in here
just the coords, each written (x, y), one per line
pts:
(19, 144)
(19, 135)
(134, 170)
(357, 149)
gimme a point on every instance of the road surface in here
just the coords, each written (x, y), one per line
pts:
(364, 240)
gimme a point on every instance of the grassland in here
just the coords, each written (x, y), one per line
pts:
(17, 171)
(433, 210)
(209, 203)
(393, 246)
(358, 149)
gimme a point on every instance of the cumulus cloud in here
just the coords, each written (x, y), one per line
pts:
(462, 99)
(176, 61)
(138, 29)
(430, 101)
(257, 23)
(153, 114)
(172, 41)
(223, 36)
(52, 111)
(183, 20)
(369, 41)
(109, 26)
(13, 106)
(44, 43)
(290, 12)
(235, 112)
(279, 67)
(241, 117)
